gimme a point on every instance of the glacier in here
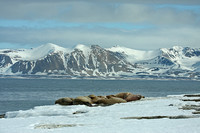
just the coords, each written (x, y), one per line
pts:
(51, 60)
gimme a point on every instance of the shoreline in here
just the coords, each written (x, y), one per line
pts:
(98, 78)
(184, 97)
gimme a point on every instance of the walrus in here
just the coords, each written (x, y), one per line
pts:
(95, 98)
(102, 97)
(133, 98)
(64, 101)
(123, 95)
(110, 101)
(109, 96)
(82, 100)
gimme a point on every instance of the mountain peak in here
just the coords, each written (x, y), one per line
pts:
(177, 48)
(50, 47)
(96, 47)
(81, 47)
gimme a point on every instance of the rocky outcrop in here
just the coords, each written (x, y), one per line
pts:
(195, 100)
(5, 60)
(22, 66)
(161, 117)
(2, 115)
(99, 100)
(193, 107)
(50, 64)
(192, 95)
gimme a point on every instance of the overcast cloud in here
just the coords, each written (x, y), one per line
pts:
(130, 23)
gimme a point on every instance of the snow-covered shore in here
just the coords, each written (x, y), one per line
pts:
(83, 119)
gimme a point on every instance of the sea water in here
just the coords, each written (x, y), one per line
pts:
(22, 94)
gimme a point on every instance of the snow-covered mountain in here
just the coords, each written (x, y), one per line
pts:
(95, 61)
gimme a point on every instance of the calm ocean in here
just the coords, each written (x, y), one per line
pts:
(21, 94)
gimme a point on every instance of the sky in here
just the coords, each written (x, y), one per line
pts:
(137, 24)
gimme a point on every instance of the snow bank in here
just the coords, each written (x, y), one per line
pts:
(62, 119)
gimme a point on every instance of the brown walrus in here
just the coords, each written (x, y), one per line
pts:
(110, 101)
(82, 100)
(123, 95)
(109, 96)
(95, 98)
(133, 97)
(105, 100)
(64, 101)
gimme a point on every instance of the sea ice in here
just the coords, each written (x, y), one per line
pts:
(62, 119)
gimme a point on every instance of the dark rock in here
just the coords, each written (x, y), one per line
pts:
(145, 117)
(161, 117)
(197, 112)
(195, 100)
(183, 117)
(191, 107)
(192, 95)
(80, 112)
(2, 115)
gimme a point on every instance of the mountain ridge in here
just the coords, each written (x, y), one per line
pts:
(95, 61)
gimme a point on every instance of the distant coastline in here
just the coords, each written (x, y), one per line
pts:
(96, 78)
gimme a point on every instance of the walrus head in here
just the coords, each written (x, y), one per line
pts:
(92, 96)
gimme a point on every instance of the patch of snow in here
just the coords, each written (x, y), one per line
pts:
(135, 55)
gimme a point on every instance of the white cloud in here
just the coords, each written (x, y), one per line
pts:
(171, 25)
(139, 39)
(97, 12)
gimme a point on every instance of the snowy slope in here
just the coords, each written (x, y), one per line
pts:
(133, 55)
(179, 55)
(35, 53)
